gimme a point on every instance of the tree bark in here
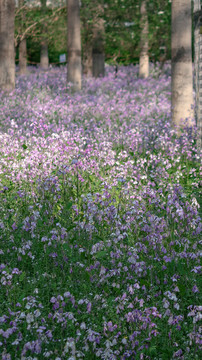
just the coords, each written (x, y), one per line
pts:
(23, 57)
(44, 59)
(98, 43)
(181, 64)
(88, 61)
(144, 43)
(7, 53)
(22, 45)
(74, 44)
(198, 73)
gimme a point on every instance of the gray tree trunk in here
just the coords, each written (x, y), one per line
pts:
(74, 68)
(7, 53)
(44, 59)
(98, 43)
(22, 45)
(88, 61)
(198, 70)
(144, 43)
(23, 57)
(181, 64)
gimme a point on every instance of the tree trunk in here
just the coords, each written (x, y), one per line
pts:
(22, 44)
(88, 61)
(198, 71)
(44, 59)
(74, 44)
(98, 43)
(7, 54)
(181, 64)
(144, 44)
(23, 57)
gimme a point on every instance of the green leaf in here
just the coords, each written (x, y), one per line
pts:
(152, 349)
(24, 146)
(101, 254)
(71, 227)
(22, 276)
(66, 247)
(69, 205)
(22, 296)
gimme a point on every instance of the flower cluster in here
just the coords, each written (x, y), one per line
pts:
(99, 221)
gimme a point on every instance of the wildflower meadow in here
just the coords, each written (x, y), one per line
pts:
(100, 220)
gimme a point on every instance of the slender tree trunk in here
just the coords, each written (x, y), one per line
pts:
(198, 72)
(44, 59)
(23, 44)
(23, 57)
(7, 54)
(181, 64)
(14, 52)
(98, 43)
(74, 44)
(88, 61)
(144, 43)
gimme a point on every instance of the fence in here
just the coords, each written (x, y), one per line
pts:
(38, 63)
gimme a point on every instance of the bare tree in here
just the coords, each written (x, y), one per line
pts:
(7, 51)
(181, 64)
(74, 44)
(144, 44)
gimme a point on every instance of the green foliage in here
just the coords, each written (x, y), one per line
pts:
(30, 22)
(122, 27)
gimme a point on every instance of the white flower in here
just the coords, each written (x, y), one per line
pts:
(22, 315)
(132, 260)
(166, 303)
(83, 326)
(180, 213)
(29, 318)
(177, 306)
(16, 342)
(124, 341)
(170, 295)
(108, 344)
(37, 313)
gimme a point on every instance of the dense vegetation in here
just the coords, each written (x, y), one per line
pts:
(100, 224)
(122, 25)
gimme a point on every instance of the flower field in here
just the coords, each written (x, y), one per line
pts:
(100, 226)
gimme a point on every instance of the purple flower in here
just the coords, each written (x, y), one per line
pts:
(195, 289)
(56, 305)
(167, 259)
(14, 227)
(49, 334)
(89, 306)
(178, 353)
(53, 300)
